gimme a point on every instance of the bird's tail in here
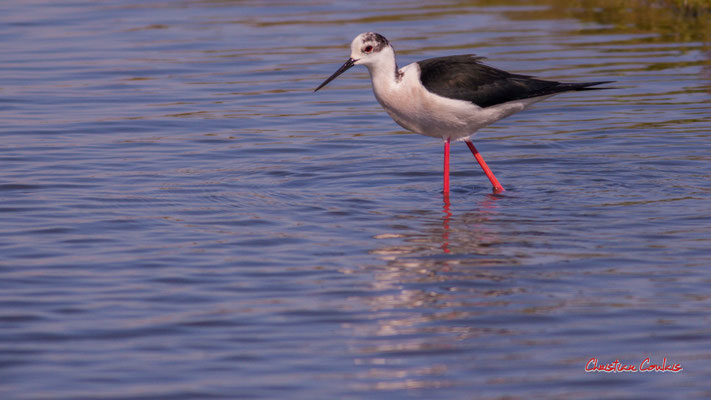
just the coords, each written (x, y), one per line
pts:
(584, 86)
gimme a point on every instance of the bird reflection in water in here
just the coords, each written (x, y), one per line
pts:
(427, 296)
(486, 207)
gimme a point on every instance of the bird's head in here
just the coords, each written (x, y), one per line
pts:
(367, 49)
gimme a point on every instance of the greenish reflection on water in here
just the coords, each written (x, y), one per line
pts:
(670, 22)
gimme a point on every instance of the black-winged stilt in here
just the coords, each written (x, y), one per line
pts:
(447, 97)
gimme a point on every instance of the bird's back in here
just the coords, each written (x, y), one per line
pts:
(464, 77)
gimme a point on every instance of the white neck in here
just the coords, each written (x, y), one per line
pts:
(383, 68)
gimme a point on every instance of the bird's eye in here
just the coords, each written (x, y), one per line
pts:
(368, 49)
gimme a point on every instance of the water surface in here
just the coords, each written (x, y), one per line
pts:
(183, 218)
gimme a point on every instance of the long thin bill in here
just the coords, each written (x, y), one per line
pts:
(341, 70)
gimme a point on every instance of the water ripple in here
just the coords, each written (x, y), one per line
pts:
(182, 217)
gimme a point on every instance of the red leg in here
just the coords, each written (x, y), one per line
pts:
(497, 186)
(446, 167)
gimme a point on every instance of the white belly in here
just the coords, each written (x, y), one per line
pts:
(418, 110)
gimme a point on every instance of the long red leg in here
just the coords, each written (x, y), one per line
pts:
(497, 186)
(446, 167)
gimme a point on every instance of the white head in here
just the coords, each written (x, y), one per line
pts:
(367, 49)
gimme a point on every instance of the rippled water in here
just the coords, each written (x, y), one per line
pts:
(181, 217)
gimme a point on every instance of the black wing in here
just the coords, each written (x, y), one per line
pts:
(465, 78)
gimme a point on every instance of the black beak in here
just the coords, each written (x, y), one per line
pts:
(344, 68)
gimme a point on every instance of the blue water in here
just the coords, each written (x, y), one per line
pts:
(182, 218)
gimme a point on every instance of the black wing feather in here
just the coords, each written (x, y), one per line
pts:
(463, 77)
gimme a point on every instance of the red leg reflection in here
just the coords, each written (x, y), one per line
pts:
(445, 224)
